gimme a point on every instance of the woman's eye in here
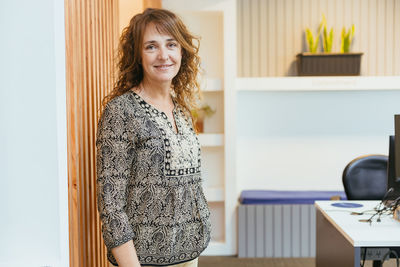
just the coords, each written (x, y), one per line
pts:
(150, 47)
(172, 45)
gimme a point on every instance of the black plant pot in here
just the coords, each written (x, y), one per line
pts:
(328, 64)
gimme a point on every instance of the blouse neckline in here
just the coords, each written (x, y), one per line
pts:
(159, 113)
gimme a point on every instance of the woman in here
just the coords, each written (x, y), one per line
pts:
(150, 199)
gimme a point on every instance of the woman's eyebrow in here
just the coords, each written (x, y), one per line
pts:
(154, 41)
(150, 42)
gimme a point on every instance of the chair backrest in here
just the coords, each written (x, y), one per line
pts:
(365, 178)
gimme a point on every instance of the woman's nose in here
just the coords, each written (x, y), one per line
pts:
(163, 54)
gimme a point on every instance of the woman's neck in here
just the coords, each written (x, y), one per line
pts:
(156, 91)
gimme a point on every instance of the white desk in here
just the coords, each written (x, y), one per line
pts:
(340, 235)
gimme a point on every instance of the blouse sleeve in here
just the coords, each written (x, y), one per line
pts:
(115, 152)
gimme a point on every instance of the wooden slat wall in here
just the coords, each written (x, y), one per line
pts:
(91, 39)
(152, 4)
(271, 33)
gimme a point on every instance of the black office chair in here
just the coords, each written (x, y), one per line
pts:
(365, 178)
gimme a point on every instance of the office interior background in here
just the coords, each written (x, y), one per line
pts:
(272, 129)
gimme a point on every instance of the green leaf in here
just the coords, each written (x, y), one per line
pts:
(327, 38)
(313, 41)
(310, 40)
(331, 39)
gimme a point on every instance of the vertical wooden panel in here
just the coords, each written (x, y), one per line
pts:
(273, 39)
(269, 43)
(294, 16)
(339, 21)
(380, 36)
(263, 38)
(152, 3)
(388, 61)
(313, 17)
(255, 38)
(372, 35)
(396, 41)
(363, 36)
(246, 37)
(284, 22)
(330, 13)
(71, 53)
(239, 39)
(91, 40)
(287, 47)
(356, 20)
(280, 38)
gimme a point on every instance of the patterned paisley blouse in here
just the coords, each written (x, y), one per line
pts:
(149, 183)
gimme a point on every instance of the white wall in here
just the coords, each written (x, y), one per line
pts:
(303, 140)
(127, 9)
(33, 174)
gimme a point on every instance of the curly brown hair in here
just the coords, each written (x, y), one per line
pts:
(184, 85)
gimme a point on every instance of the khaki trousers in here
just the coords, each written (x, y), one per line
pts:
(192, 263)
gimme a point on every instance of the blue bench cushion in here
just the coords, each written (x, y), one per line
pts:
(286, 197)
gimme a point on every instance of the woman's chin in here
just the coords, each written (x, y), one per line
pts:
(162, 78)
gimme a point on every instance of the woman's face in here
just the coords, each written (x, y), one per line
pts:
(161, 55)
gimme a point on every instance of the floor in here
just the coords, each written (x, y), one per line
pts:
(233, 261)
(221, 261)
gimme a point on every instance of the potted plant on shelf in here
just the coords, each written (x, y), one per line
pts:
(200, 114)
(327, 63)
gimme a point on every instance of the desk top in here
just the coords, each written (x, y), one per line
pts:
(362, 234)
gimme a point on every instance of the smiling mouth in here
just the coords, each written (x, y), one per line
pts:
(164, 66)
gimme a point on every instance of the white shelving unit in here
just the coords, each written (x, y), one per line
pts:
(211, 85)
(215, 194)
(331, 83)
(215, 23)
(211, 140)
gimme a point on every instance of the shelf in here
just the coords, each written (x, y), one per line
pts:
(210, 140)
(331, 83)
(214, 194)
(211, 85)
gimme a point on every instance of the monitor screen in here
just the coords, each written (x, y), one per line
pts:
(397, 147)
(394, 161)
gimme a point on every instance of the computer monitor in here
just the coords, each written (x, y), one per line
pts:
(394, 161)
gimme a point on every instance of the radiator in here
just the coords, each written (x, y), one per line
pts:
(277, 231)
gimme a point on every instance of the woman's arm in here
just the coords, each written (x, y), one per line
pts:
(125, 255)
(115, 155)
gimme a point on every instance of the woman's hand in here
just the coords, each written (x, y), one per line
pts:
(125, 255)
